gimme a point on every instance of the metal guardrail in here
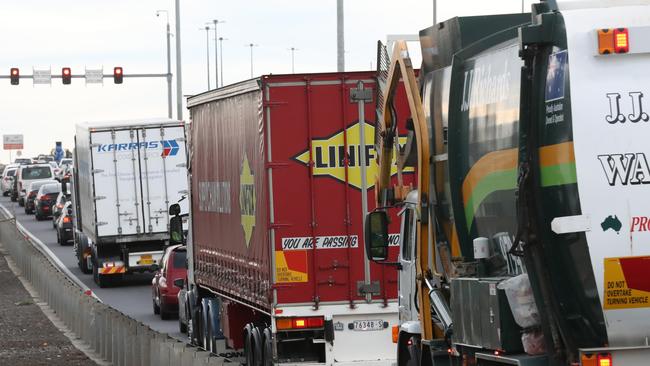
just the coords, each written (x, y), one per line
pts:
(112, 335)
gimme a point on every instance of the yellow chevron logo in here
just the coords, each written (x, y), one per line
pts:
(328, 155)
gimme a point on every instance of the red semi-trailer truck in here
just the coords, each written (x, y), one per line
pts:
(276, 259)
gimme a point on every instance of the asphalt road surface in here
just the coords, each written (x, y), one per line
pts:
(133, 297)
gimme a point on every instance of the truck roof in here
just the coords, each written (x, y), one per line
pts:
(127, 123)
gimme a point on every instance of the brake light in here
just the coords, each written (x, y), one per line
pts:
(66, 219)
(615, 40)
(605, 359)
(300, 323)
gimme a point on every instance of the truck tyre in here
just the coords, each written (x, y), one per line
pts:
(82, 245)
(101, 280)
(257, 347)
(248, 344)
(267, 353)
(210, 346)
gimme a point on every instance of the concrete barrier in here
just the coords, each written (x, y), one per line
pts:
(110, 334)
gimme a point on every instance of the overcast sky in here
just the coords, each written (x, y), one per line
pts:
(94, 33)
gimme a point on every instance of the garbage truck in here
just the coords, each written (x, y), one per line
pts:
(528, 211)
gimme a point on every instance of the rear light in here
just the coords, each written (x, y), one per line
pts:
(66, 219)
(615, 40)
(605, 359)
(311, 322)
(395, 333)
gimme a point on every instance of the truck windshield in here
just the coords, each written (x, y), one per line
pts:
(37, 172)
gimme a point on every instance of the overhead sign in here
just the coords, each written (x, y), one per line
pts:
(12, 142)
(42, 76)
(94, 76)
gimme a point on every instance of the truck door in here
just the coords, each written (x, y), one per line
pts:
(116, 179)
(164, 174)
(407, 274)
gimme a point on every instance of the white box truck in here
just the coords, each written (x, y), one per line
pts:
(126, 175)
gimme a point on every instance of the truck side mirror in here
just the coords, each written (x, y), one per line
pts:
(377, 236)
(176, 230)
(174, 209)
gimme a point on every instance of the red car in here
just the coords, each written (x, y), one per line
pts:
(165, 284)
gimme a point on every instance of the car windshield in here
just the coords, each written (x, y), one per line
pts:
(50, 188)
(179, 258)
(37, 172)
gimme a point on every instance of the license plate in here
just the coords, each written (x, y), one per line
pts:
(146, 259)
(367, 325)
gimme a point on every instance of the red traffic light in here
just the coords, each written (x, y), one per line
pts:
(118, 75)
(66, 75)
(14, 76)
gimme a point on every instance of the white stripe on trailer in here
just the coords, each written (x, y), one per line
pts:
(610, 138)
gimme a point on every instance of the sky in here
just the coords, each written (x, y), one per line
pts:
(46, 34)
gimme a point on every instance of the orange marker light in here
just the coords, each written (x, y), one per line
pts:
(395, 333)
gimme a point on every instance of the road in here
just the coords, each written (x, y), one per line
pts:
(133, 298)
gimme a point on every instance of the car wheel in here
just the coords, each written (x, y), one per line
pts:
(156, 308)
(165, 314)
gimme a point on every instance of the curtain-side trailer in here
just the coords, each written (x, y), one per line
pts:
(276, 251)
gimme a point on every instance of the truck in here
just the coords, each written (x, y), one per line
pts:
(281, 178)
(529, 204)
(126, 175)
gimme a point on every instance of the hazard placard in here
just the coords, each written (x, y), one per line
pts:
(627, 284)
(291, 267)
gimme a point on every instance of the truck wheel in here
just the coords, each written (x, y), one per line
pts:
(248, 344)
(101, 280)
(267, 353)
(210, 346)
(257, 347)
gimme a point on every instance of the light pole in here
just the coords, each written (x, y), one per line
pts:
(251, 45)
(169, 64)
(179, 77)
(340, 37)
(435, 11)
(207, 51)
(293, 50)
(221, 39)
(216, 38)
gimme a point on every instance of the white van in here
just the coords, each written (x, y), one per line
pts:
(30, 173)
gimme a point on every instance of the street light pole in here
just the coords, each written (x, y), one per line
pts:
(216, 38)
(340, 37)
(207, 52)
(251, 45)
(293, 50)
(169, 65)
(179, 78)
(221, 39)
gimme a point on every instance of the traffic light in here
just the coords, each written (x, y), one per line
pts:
(15, 76)
(117, 75)
(66, 75)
